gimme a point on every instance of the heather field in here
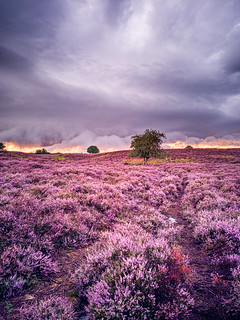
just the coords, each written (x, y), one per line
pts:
(105, 237)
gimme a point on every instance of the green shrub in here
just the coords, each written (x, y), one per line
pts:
(41, 151)
(92, 149)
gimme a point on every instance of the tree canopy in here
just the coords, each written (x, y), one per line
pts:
(92, 149)
(42, 151)
(147, 145)
(2, 146)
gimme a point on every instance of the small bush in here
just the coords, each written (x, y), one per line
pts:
(92, 149)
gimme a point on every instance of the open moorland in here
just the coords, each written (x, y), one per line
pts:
(105, 237)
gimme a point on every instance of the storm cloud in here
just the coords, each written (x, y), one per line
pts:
(75, 73)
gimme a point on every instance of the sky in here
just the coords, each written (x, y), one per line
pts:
(76, 73)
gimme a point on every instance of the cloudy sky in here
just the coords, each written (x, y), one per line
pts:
(82, 72)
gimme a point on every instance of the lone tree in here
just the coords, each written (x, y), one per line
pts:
(147, 145)
(92, 149)
(2, 146)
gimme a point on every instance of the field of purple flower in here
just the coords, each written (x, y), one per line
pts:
(105, 237)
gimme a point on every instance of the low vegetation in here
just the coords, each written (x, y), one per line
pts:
(82, 233)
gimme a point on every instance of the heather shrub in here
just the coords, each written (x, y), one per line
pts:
(233, 304)
(142, 273)
(220, 236)
(227, 262)
(11, 286)
(156, 223)
(52, 308)
(19, 266)
(60, 232)
(152, 221)
(6, 228)
(46, 234)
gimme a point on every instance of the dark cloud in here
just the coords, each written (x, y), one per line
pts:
(231, 57)
(117, 12)
(13, 62)
(102, 70)
(32, 18)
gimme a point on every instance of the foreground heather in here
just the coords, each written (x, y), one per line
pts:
(117, 211)
(53, 308)
(134, 275)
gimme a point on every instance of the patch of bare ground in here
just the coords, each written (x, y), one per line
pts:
(207, 289)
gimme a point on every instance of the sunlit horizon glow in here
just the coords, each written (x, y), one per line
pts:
(11, 146)
(181, 145)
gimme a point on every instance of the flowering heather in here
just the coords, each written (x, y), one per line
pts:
(119, 212)
(19, 265)
(211, 202)
(141, 272)
(54, 308)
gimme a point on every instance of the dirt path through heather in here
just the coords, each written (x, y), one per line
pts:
(205, 292)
